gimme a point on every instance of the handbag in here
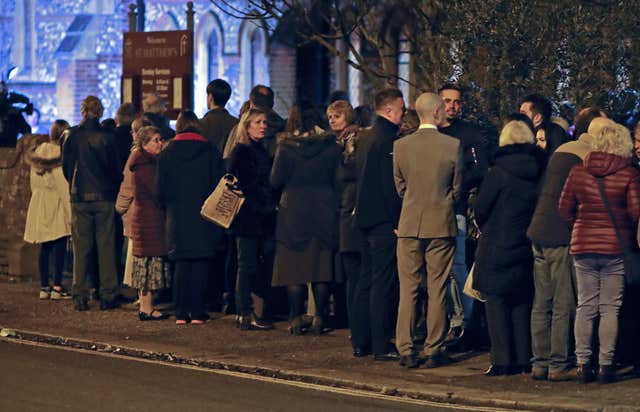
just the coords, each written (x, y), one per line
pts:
(631, 256)
(468, 287)
(223, 205)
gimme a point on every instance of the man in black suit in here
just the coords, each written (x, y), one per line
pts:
(376, 214)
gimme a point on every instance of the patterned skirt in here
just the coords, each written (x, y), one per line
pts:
(150, 273)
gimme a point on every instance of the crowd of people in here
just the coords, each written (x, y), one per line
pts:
(376, 226)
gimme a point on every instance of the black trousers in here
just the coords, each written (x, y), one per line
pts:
(350, 262)
(509, 322)
(255, 265)
(191, 286)
(375, 304)
(59, 249)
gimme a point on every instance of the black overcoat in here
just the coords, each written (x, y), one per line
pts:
(305, 169)
(505, 205)
(189, 169)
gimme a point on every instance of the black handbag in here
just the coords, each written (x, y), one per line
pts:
(631, 254)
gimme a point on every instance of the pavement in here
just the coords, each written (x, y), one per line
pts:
(325, 360)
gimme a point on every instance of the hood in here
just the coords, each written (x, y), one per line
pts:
(603, 164)
(141, 157)
(189, 146)
(308, 145)
(156, 119)
(525, 161)
(44, 157)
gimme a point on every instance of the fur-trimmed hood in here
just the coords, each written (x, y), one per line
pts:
(307, 144)
(44, 156)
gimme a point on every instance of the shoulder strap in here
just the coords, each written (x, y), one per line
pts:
(603, 195)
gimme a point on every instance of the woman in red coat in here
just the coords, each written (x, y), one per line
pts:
(597, 252)
(150, 267)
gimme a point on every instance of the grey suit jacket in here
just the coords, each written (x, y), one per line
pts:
(427, 173)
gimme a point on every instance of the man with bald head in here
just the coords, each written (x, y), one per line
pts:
(554, 304)
(427, 173)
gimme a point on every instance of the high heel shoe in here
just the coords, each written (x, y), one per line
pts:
(295, 327)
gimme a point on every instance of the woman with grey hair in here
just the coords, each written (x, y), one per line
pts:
(504, 260)
(601, 199)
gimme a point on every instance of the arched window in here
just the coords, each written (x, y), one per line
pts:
(213, 51)
(257, 55)
(208, 60)
(254, 64)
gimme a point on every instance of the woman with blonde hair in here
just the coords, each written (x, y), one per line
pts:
(255, 224)
(49, 213)
(504, 259)
(601, 200)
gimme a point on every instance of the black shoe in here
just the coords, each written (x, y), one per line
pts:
(606, 374)
(437, 360)
(360, 352)
(252, 322)
(409, 361)
(519, 369)
(585, 374)
(540, 374)
(80, 304)
(392, 355)
(154, 315)
(497, 370)
(228, 305)
(318, 326)
(108, 304)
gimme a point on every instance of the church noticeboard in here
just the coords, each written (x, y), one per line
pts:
(158, 62)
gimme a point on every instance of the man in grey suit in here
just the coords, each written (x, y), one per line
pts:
(427, 174)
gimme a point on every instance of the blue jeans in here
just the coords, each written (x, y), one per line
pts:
(600, 280)
(461, 305)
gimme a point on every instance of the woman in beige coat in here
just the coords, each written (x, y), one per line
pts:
(49, 214)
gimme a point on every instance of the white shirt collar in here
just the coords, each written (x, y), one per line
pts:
(427, 126)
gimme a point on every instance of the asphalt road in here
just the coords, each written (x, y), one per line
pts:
(37, 378)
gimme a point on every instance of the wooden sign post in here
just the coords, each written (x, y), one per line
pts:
(158, 62)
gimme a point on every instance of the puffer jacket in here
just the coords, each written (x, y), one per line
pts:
(148, 218)
(581, 205)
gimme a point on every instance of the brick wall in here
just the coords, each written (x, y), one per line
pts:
(282, 71)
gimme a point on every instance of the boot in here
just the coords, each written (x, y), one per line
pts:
(585, 374)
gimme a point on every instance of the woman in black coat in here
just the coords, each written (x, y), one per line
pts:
(253, 227)
(340, 116)
(188, 170)
(306, 234)
(504, 260)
